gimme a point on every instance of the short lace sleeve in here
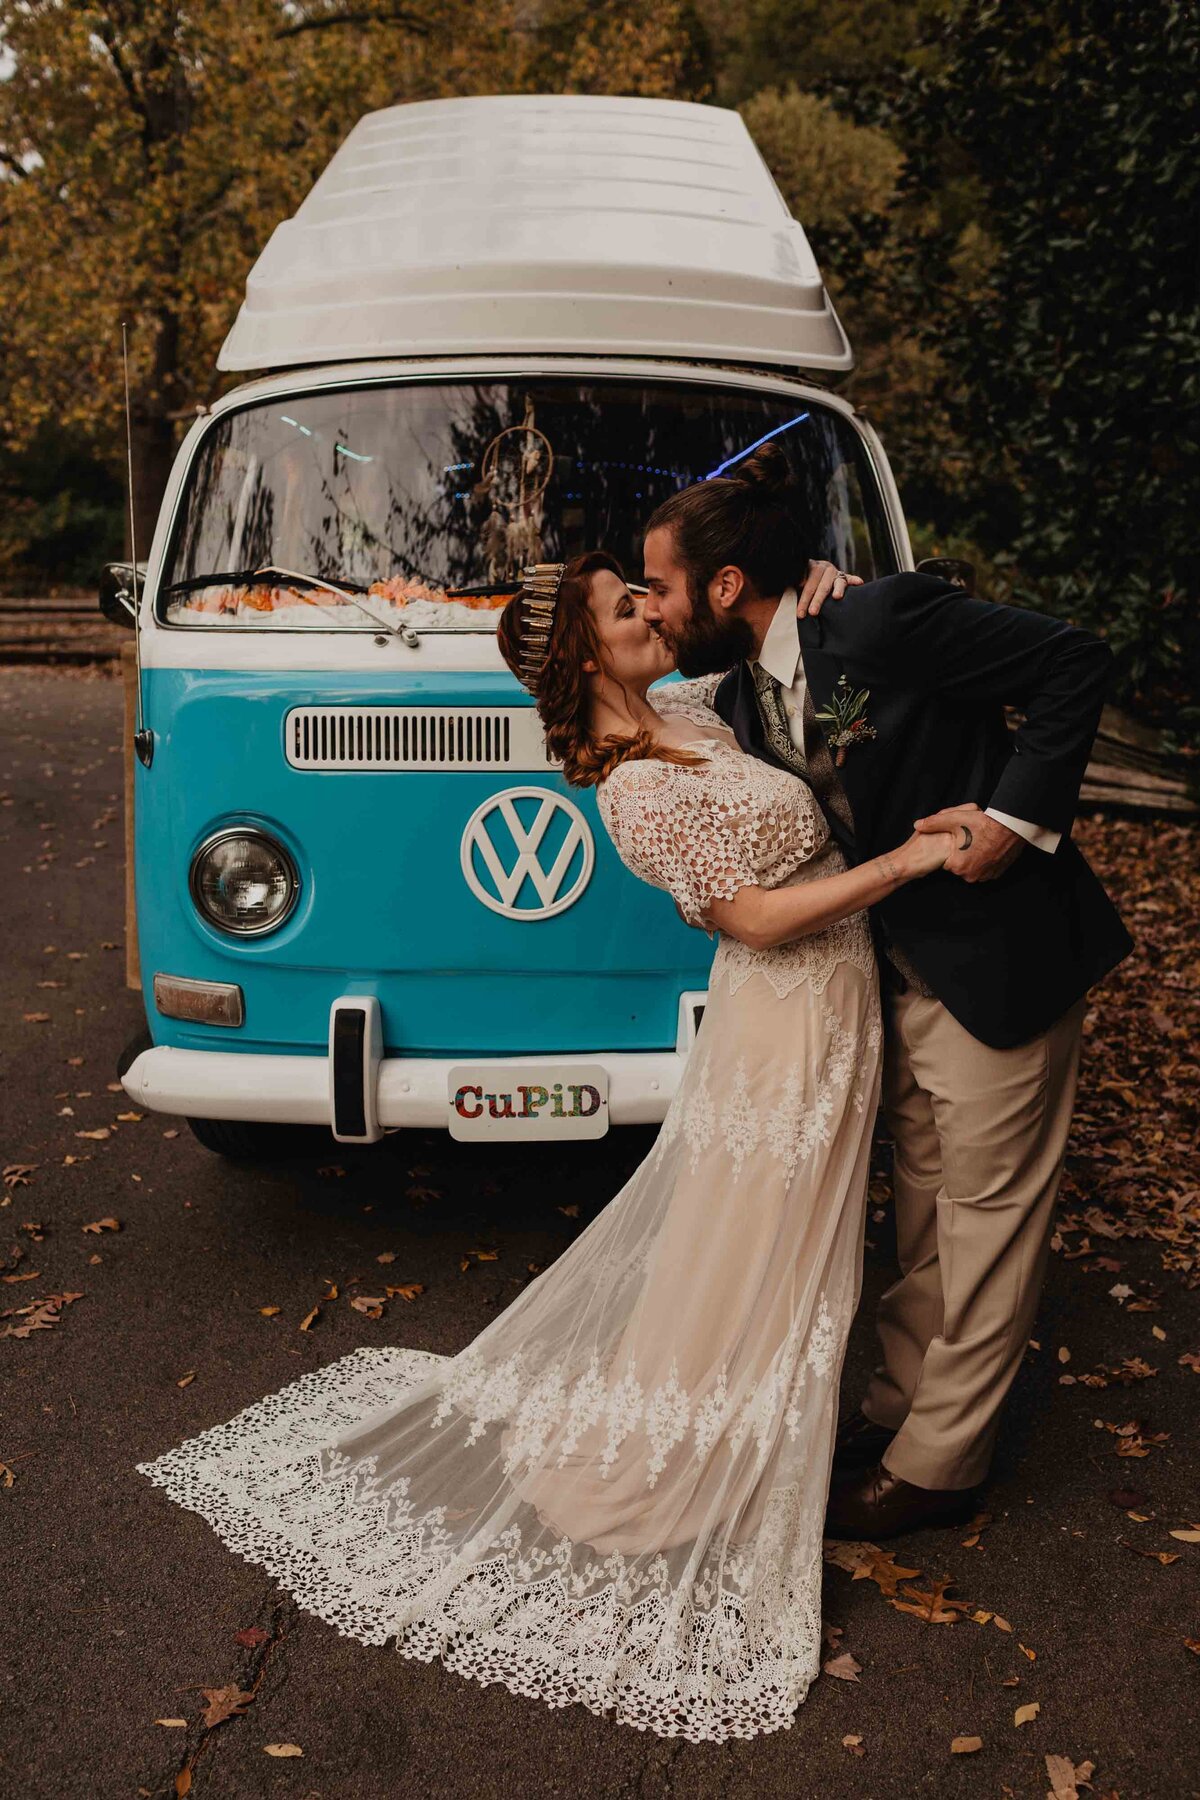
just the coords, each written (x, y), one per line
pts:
(671, 830)
(692, 699)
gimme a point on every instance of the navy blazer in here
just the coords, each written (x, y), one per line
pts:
(1007, 957)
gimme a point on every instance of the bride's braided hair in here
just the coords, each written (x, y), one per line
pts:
(562, 692)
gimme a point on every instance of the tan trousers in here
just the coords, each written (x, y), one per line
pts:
(980, 1137)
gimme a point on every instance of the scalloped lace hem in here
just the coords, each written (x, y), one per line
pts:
(735, 1669)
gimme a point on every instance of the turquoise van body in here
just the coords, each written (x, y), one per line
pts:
(383, 907)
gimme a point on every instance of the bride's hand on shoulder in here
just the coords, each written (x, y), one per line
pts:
(823, 579)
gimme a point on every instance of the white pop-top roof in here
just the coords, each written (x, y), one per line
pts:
(540, 223)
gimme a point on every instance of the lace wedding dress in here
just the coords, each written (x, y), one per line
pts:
(614, 1495)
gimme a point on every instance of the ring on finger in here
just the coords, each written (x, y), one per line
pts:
(968, 837)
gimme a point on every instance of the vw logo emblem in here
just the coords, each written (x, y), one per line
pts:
(527, 861)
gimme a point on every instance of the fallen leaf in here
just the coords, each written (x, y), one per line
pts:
(268, 1312)
(1158, 1332)
(931, 1606)
(1121, 1291)
(965, 1746)
(39, 1315)
(186, 1380)
(1189, 1360)
(1025, 1651)
(17, 1175)
(1001, 1624)
(1064, 1355)
(408, 1290)
(224, 1703)
(101, 1132)
(843, 1668)
(176, 1724)
(130, 1118)
(1061, 1771)
(867, 1562)
(1024, 1714)
(386, 1256)
(35, 1018)
(572, 1211)
(283, 1750)
(1186, 1537)
(250, 1636)
(854, 1744)
(370, 1304)
(99, 1225)
(309, 1318)
(171, 1134)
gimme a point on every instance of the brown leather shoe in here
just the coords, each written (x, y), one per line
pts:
(878, 1504)
(859, 1443)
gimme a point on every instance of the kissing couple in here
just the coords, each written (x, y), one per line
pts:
(616, 1494)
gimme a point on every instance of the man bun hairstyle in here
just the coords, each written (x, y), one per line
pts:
(749, 519)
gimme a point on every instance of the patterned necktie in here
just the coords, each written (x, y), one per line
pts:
(774, 720)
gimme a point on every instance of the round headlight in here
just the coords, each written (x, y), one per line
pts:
(244, 881)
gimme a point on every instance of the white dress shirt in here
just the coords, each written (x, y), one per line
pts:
(781, 658)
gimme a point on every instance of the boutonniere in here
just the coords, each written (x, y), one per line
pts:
(846, 717)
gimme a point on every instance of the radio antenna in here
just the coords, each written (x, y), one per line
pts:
(143, 739)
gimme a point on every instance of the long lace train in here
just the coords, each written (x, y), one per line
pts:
(614, 1495)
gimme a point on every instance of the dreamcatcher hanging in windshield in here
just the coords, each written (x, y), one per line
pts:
(514, 473)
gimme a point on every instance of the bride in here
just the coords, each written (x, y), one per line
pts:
(614, 1495)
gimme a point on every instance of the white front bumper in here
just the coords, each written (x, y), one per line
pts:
(294, 1090)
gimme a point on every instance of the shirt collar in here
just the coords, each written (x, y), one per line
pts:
(780, 653)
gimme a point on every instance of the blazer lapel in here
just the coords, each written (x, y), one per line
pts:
(859, 774)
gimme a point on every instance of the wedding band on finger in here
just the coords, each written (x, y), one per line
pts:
(968, 837)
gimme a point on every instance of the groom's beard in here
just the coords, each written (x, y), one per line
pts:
(709, 644)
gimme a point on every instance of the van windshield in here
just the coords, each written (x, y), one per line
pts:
(424, 500)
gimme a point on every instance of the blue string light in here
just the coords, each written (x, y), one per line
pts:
(765, 439)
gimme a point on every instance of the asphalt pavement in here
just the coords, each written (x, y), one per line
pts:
(121, 1608)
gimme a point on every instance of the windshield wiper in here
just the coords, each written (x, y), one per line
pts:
(347, 590)
(244, 577)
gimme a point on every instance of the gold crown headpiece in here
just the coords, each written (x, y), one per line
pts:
(540, 583)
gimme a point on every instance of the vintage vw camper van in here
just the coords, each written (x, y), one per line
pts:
(496, 331)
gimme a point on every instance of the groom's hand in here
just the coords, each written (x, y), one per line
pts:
(823, 579)
(991, 846)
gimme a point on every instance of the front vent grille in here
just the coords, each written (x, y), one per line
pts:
(414, 737)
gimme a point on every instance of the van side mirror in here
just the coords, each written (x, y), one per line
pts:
(120, 588)
(950, 568)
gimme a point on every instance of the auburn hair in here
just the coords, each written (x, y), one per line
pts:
(562, 692)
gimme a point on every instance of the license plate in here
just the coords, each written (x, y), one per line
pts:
(504, 1101)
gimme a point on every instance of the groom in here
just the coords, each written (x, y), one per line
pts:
(891, 708)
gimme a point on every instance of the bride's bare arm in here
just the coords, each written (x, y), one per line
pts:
(761, 917)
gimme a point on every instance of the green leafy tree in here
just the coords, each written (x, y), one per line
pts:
(1067, 134)
(847, 50)
(845, 182)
